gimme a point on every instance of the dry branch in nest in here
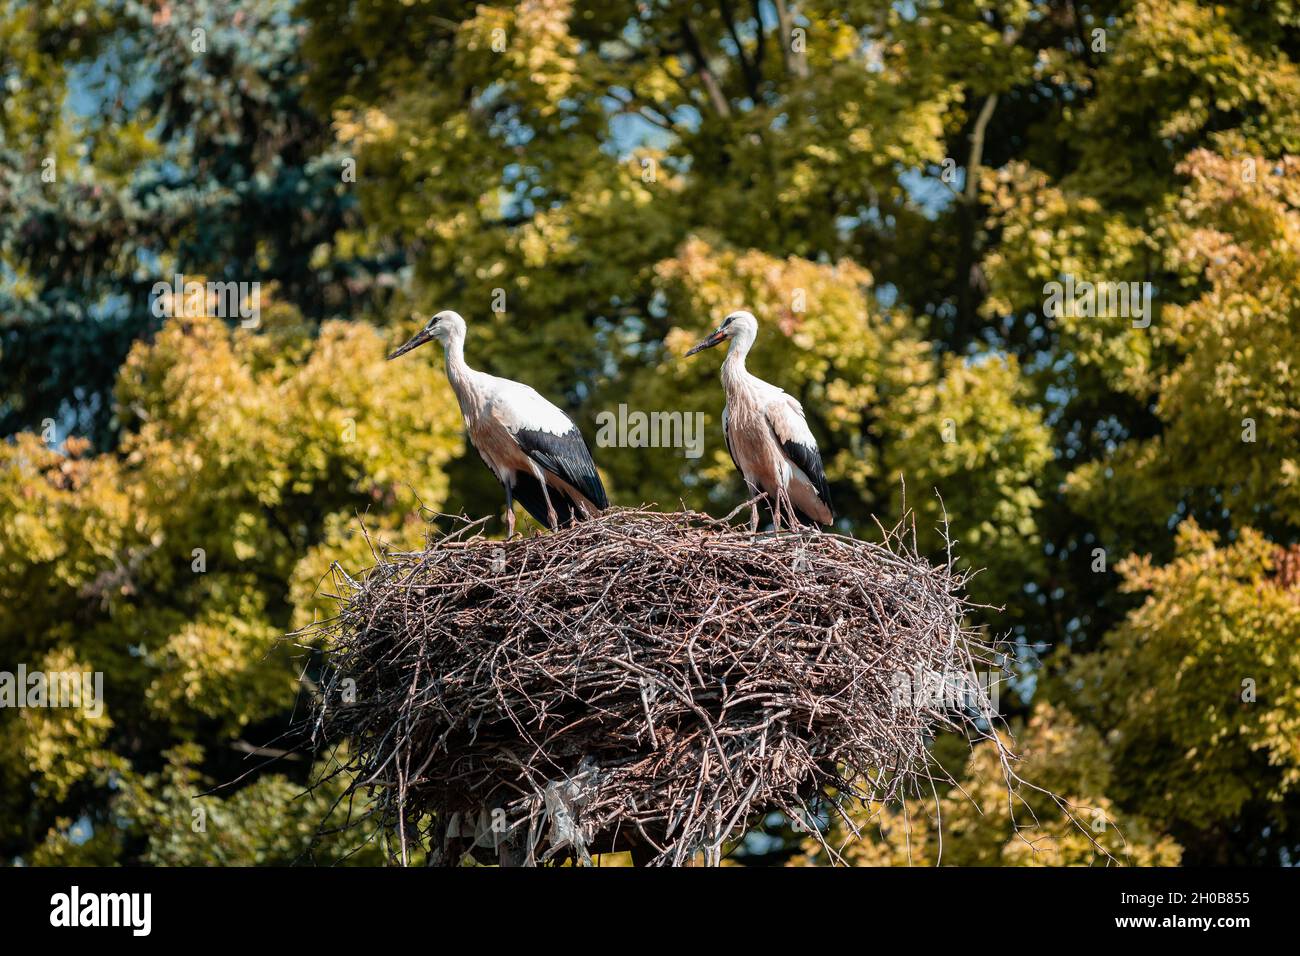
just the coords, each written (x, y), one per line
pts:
(642, 680)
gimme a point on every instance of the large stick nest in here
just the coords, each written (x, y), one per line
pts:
(643, 680)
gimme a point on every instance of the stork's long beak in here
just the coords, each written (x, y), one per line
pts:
(714, 338)
(417, 340)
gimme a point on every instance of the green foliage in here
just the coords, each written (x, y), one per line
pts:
(169, 564)
(1055, 815)
(969, 436)
(152, 140)
(1197, 689)
(1227, 392)
(176, 820)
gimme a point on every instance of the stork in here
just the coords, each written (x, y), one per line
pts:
(533, 448)
(767, 434)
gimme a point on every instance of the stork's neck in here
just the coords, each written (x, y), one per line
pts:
(464, 380)
(733, 366)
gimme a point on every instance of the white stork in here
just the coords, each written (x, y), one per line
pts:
(767, 434)
(533, 448)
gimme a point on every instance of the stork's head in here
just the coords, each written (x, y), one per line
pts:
(739, 323)
(445, 326)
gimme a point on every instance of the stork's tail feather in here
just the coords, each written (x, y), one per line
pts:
(528, 492)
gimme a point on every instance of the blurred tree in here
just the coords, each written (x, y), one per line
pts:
(890, 187)
(176, 564)
(1195, 692)
(1226, 391)
(150, 139)
(172, 818)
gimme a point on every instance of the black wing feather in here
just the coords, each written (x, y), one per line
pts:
(809, 461)
(565, 456)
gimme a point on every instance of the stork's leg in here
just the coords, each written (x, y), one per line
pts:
(510, 513)
(783, 501)
(550, 508)
(753, 507)
(775, 501)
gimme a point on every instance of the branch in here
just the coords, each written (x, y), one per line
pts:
(751, 78)
(1010, 37)
(1078, 34)
(649, 110)
(794, 62)
(709, 81)
(977, 147)
(761, 38)
(243, 746)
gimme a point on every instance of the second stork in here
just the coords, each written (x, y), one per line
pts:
(767, 434)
